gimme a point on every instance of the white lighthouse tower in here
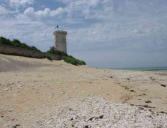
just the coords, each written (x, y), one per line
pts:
(60, 41)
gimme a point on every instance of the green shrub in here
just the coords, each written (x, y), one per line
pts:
(51, 54)
(70, 60)
(63, 56)
(5, 41)
(35, 49)
(56, 52)
(17, 43)
(48, 56)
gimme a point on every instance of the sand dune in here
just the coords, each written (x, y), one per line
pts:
(33, 89)
(14, 63)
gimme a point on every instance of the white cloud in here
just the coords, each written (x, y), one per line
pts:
(57, 11)
(31, 32)
(3, 10)
(101, 24)
(88, 9)
(43, 13)
(29, 11)
(18, 3)
(81, 2)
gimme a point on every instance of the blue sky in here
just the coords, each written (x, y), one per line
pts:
(105, 33)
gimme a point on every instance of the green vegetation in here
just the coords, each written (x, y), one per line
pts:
(74, 61)
(51, 54)
(17, 43)
(63, 56)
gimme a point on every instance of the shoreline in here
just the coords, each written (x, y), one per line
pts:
(32, 88)
(142, 69)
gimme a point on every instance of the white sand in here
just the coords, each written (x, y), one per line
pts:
(32, 89)
(93, 112)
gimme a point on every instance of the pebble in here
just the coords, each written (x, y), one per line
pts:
(93, 112)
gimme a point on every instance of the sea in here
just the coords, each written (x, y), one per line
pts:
(144, 68)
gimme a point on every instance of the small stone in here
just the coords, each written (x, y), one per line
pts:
(141, 108)
(101, 117)
(163, 85)
(16, 126)
(70, 109)
(86, 126)
(91, 118)
(132, 90)
(148, 101)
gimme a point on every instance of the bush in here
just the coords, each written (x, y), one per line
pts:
(5, 41)
(63, 56)
(17, 43)
(74, 61)
(56, 52)
(48, 56)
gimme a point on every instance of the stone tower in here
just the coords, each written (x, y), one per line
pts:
(60, 41)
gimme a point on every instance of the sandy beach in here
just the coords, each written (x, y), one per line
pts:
(33, 89)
